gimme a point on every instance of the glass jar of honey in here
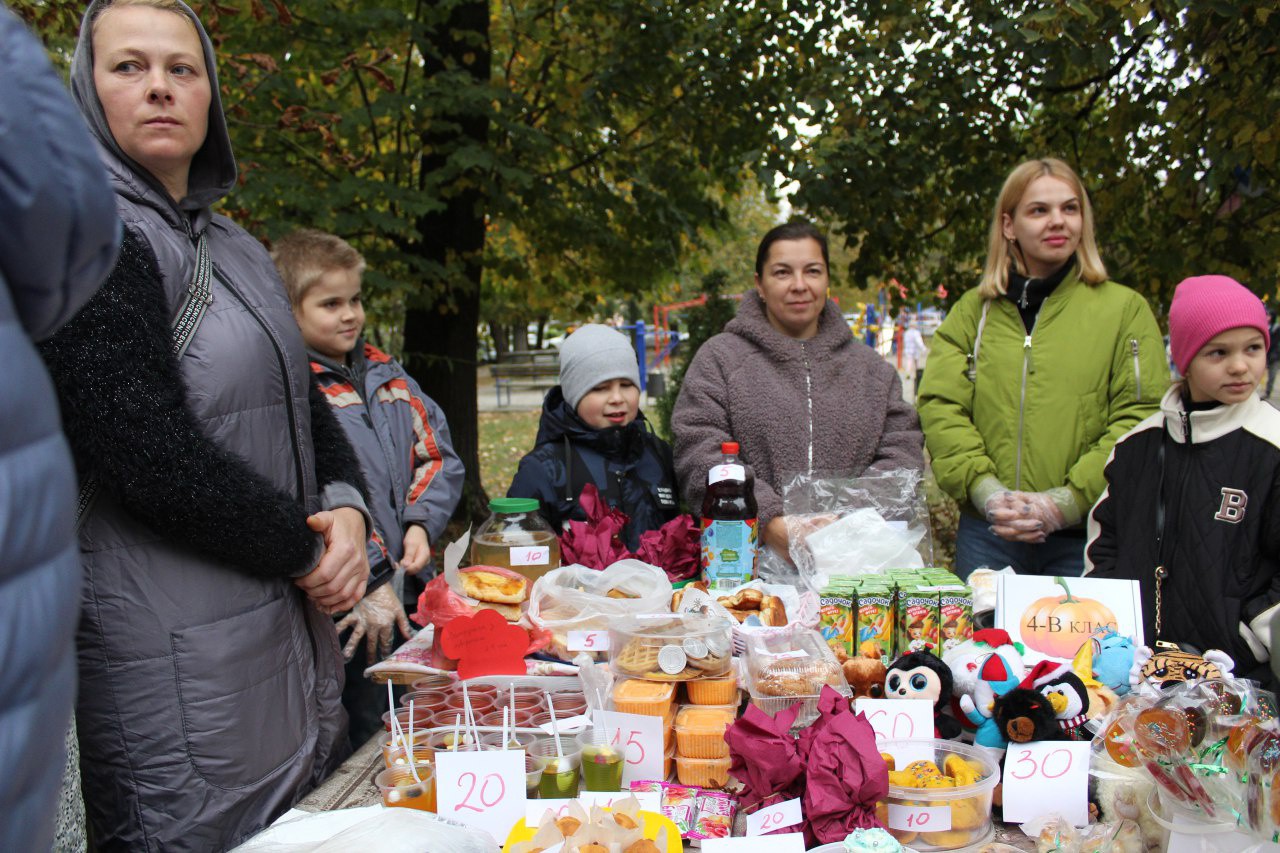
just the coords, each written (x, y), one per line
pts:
(516, 537)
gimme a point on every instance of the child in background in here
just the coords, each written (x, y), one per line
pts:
(400, 435)
(592, 431)
(1191, 509)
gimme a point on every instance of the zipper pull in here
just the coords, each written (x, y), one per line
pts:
(1186, 427)
(1026, 352)
(1022, 300)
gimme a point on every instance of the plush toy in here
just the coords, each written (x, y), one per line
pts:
(996, 678)
(1066, 693)
(965, 659)
(1112, 659)
(865, 676)
(920, 675)
(1168, 665)
(1101, 697)
(1024, 715)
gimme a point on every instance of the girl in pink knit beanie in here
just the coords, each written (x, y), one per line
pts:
(1192, 499)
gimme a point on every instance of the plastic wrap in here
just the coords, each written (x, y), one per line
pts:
(839, 525)
(376, 828)
(576, 598)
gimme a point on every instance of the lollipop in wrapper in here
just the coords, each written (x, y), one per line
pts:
(1163, 739)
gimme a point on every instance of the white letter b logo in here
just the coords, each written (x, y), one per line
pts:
(1233, 504)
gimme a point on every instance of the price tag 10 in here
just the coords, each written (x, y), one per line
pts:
(481, 789)
(919, 818)
(650, 801)
(791, 842)
(1052, 776)
(588, 641)
(640, 738)
(530, 555)
(901, 719)
(775, 818)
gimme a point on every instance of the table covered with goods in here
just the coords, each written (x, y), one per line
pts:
(608, 709)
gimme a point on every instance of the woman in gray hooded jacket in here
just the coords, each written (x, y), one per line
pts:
(221, 505)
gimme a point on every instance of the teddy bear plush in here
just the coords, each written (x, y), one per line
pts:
(1024, 715)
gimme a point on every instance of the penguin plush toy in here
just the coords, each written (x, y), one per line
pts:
(1066, 693)
(922, 675)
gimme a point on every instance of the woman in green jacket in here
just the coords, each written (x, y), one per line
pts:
(1032, 378)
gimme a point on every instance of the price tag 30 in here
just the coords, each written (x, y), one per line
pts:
(775, 818)
(1047, 776)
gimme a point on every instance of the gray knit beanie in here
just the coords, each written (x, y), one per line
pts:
(591, 355)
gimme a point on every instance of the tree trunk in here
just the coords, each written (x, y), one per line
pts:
(440, 340)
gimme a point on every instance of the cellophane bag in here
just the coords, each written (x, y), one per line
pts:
(576, 598)
(845, 525)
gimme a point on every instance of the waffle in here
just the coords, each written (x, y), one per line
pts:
(637, 656)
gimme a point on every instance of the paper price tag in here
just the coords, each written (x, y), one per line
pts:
(919, 818)
(567, 725)
(726, 472)
(640, 737)
(1051, 776)
(530, 555)
(650, 801)
(482, 789)
(588, 641)
(791, 842)
(774, 818)
(791, 655)
(901, 719)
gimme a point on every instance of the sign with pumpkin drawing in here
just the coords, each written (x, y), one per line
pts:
(1053, 616)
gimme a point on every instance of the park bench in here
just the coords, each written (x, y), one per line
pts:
(534, 371)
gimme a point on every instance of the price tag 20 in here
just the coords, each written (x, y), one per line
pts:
(1052, 776)
(774, 818)
(919, 818)
(482, 789)
(640, 738)
(588, 641)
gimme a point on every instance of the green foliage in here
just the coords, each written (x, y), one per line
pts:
(703, 322)
(930, 104)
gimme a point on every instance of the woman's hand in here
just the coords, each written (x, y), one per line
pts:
(417, 550)
(1024, 516)
(776, 536)
(783, 529)
(375, 618)
(338, 580)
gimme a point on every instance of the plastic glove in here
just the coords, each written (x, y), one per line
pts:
(417, 550)
(374, 619)
(1027, 517)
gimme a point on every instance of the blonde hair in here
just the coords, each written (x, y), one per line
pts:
(307, 254)
(995, 274)
(162, 5)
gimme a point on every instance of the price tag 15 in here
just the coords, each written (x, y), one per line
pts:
(482, 789)
(901, 719)
(792, 842)
(588, 641)
(1051, 776)
(640, 738)
(774, 818)
(919, 818)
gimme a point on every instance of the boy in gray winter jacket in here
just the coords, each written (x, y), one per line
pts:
(399, 433)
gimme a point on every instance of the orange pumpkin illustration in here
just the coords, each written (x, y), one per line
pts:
(1057, 625)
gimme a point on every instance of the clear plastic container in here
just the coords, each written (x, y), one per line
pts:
(670, 648)
(669, 728)
(515, 536)
(713, 691)
(969, 818)
(700, 731)
(400, 789)
(782, 670)
(703, 772)
(635, 696)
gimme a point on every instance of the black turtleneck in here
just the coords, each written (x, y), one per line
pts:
(1030, 293)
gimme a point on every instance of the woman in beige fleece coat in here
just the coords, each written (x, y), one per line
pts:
(787, 380)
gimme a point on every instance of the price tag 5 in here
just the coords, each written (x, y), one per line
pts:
(588, 641)
(775, 817)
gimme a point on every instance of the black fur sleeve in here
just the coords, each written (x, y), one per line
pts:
(336, 460)
(124, 411)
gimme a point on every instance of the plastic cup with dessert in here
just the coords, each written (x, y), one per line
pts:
(560, 767)
(523, 702)
(479, 704)
(515, 740)
(474, 690)
(602, 762)
(397, 755)
(445, 740)
(421, 718)
(400, 789)
(424, 698)
(569, 704)
(532, 776)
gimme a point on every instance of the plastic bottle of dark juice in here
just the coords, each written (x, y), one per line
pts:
(730, 535)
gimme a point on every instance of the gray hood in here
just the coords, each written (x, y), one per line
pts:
(213, 169)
